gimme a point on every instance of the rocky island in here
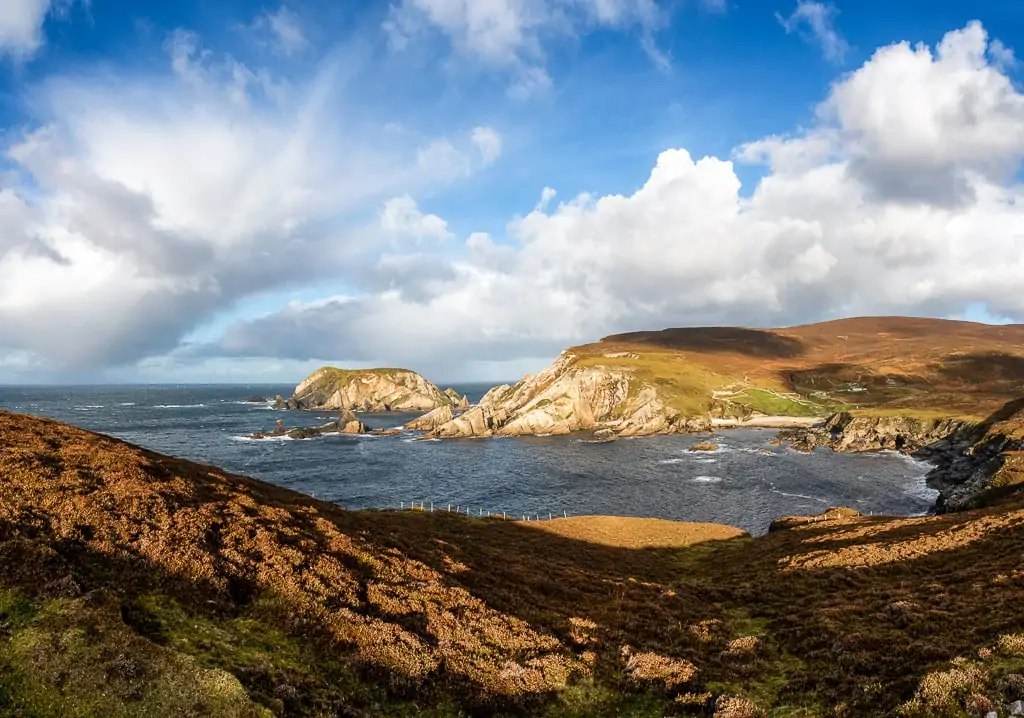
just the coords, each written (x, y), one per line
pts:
(371, 390)
(133, 583)
(695, 379)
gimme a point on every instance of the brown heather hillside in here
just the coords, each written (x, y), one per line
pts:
(893, 365)
(133, 584)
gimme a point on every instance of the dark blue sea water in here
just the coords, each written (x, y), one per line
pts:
(747, 483)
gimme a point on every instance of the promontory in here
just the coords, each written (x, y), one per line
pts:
(697, 378)
(374, 390)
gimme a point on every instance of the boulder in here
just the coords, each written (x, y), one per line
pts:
(432, 420)
(257, 400)
(603, 435)
(279, 430)
(280, 403)
(304, 432)
(349, 423)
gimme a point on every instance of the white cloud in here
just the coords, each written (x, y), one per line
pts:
(510, 34)
(21, 26)
(284, 30)
(826, 233)
(142, 206)
(819, 19)
(1002, 56)
(488, 143)
(401, 215)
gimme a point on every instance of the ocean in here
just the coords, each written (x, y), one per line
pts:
(747, 483)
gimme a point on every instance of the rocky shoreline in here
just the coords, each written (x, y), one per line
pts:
(974, 462)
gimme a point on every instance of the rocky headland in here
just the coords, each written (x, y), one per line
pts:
(700, 378)
(571, 396)
(136, 584)
(370, 390)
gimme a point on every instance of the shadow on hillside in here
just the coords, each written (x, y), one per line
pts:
(985, 367)
(486, 614)
(843, 628)
(750, 342)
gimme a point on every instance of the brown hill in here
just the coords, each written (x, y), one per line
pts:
(133, 584)
(889, 364)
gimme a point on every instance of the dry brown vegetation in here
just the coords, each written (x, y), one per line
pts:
(899, 365)
(131, 582)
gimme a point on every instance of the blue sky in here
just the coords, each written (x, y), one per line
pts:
(243, 191)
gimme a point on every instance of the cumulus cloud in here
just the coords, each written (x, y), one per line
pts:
(21, 25)
(510, 34)
(140, 207)
(401, 215)
(818, 20)
(902, 198)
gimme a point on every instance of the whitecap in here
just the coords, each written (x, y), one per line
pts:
(801, 496)
(921, 490)
(178, 406)
(127, 403)
(705, 461)
(87, 407)
(707, 479)
(672, 461)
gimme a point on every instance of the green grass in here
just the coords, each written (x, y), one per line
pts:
(586, 699)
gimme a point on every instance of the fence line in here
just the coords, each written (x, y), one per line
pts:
(479, 512)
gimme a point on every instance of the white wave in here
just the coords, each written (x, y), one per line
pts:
(707, 479)
(87, 407)
(260, 441)
(672, 461)
(921, 490)
(127, 403)
(705, 461)
(415, 440)
(801, 496)
(178, 406)
(272, 438)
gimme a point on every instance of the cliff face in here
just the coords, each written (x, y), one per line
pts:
(976, 463)
(568, 397)
(846, 432)
(329, 389)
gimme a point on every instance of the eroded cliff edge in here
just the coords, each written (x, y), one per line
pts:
(571, 396)
(374, 390)
(976, 463)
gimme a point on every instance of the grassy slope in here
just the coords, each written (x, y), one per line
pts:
(885, 365)
(135, 584)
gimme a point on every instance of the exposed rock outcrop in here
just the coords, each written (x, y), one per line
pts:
(567, 397)
(348, 423)
(846, 432)
(432, 420)
(458, 401)
(374, 390)
(976, 463)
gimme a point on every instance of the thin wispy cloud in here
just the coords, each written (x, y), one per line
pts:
(816, 21)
